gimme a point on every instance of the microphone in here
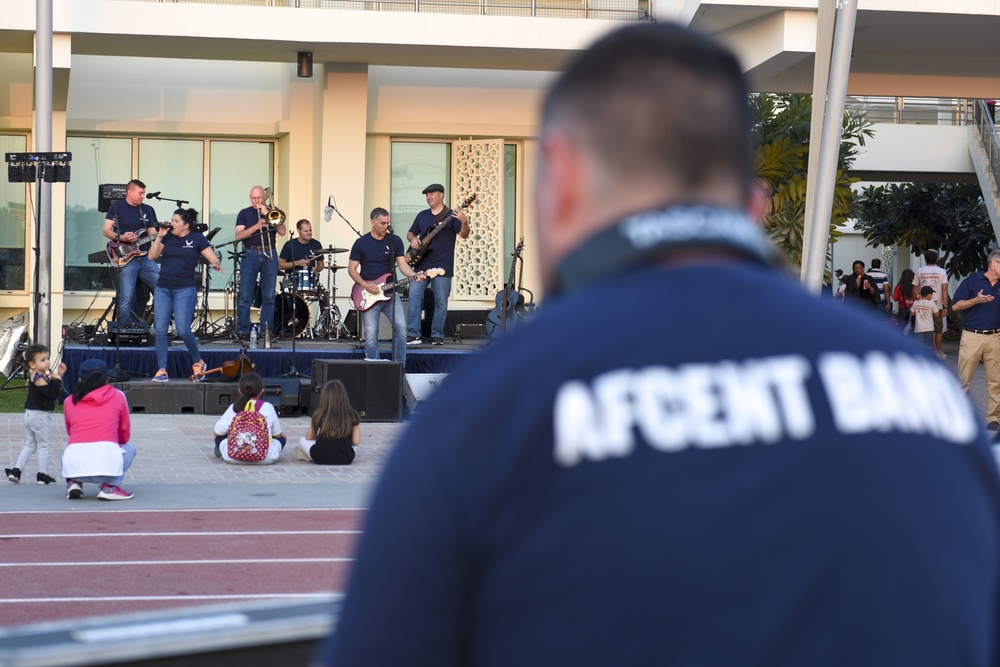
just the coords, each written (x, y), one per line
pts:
(328, 212)
(390, 230)
(152, 195)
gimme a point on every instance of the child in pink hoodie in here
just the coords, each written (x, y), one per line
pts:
(98, 426)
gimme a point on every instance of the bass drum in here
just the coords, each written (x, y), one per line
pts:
(291, 315)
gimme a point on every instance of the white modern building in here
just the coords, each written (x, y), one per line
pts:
(202, 100)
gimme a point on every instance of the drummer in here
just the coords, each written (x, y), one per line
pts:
(301, 252)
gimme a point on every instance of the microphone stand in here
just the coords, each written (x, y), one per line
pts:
(391, 235)
(360, 341)
(117, 374)
(293, 372)
(156, 196)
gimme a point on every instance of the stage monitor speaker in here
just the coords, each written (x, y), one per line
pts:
(418, 386)
(384, 328)
(153, 399)
(285, 394)
(374, 387)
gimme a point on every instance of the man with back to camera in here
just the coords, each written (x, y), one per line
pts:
(131, 222)
(936, 277)
(881, 284)
(738, 496)
(439, 254)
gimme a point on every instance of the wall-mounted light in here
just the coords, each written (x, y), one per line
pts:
(305, 64)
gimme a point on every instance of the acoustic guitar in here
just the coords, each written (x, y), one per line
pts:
(509, 310)
(231, 369)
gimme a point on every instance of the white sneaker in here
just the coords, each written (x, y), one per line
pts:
(941, 355)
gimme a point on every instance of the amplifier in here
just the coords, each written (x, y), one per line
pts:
(130, 333)
(108, 192)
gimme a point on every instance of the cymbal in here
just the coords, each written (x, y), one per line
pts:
(332, 251)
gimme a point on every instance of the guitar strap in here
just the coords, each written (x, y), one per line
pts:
(643, 238)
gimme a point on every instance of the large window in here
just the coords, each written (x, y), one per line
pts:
(176, 169)
(415, 165)
(96, 161)
(235, 167)
(13, 213)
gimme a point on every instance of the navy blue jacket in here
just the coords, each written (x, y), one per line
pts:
(761, 479)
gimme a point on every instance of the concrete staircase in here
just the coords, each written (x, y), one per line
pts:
(984, 147)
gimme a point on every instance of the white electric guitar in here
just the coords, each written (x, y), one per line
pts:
(363, 299)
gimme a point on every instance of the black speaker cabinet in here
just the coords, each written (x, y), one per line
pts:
(384, 328)
(374, 387)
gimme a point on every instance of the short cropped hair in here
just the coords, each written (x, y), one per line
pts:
(378, 211)
(657, 100)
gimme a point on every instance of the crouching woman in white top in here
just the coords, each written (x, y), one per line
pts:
(251, 389)
(98, 426)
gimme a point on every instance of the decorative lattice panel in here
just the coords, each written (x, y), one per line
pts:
(477, 167)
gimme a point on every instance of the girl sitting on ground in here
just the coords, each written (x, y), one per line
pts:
(334, 431)
(249, 400)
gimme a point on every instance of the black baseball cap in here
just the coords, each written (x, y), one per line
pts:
(433, 187)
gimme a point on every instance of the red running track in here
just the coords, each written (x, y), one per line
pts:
(60, 565)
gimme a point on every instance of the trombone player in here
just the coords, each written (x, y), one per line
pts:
(258, 226)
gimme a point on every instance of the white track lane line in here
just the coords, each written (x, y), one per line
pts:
(212, 533)
(121, 598)
(240, 561)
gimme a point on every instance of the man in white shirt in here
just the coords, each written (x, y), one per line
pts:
(936, 277)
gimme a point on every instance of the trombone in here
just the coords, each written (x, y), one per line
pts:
(275, 217)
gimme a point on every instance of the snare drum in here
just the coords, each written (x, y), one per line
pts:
(305, 282)
(287, 283)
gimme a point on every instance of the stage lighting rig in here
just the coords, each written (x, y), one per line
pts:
(28, 167)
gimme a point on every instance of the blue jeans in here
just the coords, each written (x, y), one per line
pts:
(369, 319)
(179, 302)
(254, 263)
(441, 287)
(128, 454)
(140, 268)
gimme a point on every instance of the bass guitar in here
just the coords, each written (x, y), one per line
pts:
(509, 310)
(413, 255)
(363, 299)
(121, 254)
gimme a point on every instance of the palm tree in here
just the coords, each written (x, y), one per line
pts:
(780, 136)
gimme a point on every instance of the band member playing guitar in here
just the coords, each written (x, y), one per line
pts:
(439, 253)
(131, 222)
(371, 257)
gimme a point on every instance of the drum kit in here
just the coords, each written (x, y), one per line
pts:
(305, 307)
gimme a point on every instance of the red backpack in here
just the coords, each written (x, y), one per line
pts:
(249, 435)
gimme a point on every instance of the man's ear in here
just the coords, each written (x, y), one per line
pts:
(560, 187)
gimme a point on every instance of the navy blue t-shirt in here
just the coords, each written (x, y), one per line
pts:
(819, 492)
(374, 255)
(179, 258)
(295, 250)
(249, 217)
(440, 254)
(982, 316)
(130, 218)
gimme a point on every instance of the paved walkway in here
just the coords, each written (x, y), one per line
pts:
(176, 467)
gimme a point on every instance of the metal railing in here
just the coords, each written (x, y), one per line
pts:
(910, 110)
(621, 10)
(983, 117)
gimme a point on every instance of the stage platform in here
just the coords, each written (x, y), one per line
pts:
(140, 365)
